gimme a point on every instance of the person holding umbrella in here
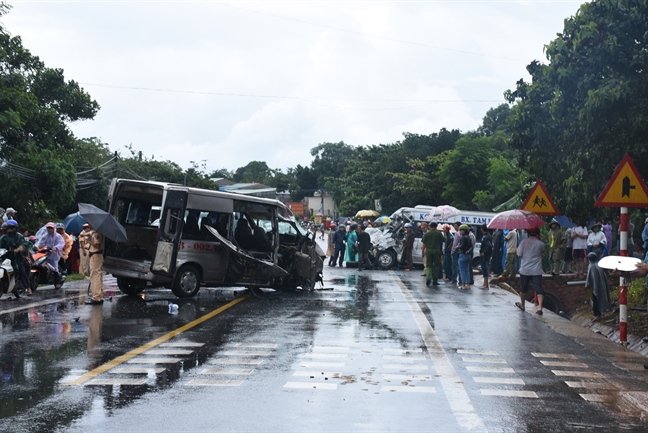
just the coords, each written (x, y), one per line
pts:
(96, 243)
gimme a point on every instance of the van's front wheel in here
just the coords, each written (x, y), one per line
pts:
(386, 260)
(130, 286)
(187, 282)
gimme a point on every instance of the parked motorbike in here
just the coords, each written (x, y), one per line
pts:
(42, 272)
(8, 281)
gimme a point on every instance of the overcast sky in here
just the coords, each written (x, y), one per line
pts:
(232, 82)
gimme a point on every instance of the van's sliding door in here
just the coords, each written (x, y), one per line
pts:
(170, 232)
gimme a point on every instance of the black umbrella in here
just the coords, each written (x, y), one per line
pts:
(103, 222)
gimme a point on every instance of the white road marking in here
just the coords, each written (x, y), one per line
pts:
(455, 393)
(210, 382)
(256, 345)
(577, 373)
(509, 393)
(477, 352)
(168, 352)
(403, 351)
(324, 355)
(136, 370)
(427, 389)
(590, 385)
(406, 377)
(320, 374)
(564, 364)
(499, 380)
(144, 360)
(309, 385)
(592, 397)
(554, 355)
(236, 361)
(322, 364)
(245, 353)
(405, 366)
(506, 370)
(182, 344)
(484, 360)
(226, 371)
(329, 348)
(116, 381)
(404, 357)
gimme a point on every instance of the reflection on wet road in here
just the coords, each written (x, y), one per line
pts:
(372, 351)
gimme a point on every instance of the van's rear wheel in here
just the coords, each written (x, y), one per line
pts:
(187, 282)
(130, 286)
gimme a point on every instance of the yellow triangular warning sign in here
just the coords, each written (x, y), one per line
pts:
(539, 201)
(625, 188)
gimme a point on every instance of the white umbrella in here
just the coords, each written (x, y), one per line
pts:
(443, 213)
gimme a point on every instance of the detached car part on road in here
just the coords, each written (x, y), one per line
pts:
(183, 238)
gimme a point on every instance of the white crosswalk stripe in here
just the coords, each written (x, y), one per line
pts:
(404, 388)
(499, 380)
(509, 393)
(309, 385)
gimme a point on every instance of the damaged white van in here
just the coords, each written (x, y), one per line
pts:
(184, 238)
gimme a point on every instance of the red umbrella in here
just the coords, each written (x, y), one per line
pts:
(516, 219)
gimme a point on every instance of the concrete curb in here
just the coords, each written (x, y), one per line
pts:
(636, 344)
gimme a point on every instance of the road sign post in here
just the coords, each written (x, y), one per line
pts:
(625, 189)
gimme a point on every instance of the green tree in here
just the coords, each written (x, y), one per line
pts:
(253, 172)
(588, 106)
(36, 106)
(504, 181)
(495, 120)
(464, 169)
(330, 161)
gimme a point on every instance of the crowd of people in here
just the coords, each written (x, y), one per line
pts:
(448, 253)
(62, 249)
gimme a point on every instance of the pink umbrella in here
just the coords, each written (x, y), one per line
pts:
(516, 219)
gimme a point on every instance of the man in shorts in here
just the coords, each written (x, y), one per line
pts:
(579, 242)
(530, 251)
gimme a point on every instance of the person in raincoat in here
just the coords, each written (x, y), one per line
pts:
(597, 283)
(69, 241)
(56, 243)
(557, 243)
(16, 246)
(352, 237)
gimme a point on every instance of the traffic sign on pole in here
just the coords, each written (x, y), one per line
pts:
(539, 201)
(625, 188)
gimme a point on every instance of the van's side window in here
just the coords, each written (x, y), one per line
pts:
(196, 222)
(137, 213)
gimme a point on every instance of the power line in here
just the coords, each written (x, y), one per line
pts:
(303, 99)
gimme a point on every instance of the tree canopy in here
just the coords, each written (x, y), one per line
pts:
(588, 106)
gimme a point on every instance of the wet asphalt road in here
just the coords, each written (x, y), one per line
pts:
(373, 351)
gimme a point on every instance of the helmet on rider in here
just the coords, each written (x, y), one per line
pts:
(408, 226)
(11, 224)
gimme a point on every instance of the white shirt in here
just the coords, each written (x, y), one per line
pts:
(580, 243)
(596, 238)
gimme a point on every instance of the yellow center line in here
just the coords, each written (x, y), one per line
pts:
(151, 344)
